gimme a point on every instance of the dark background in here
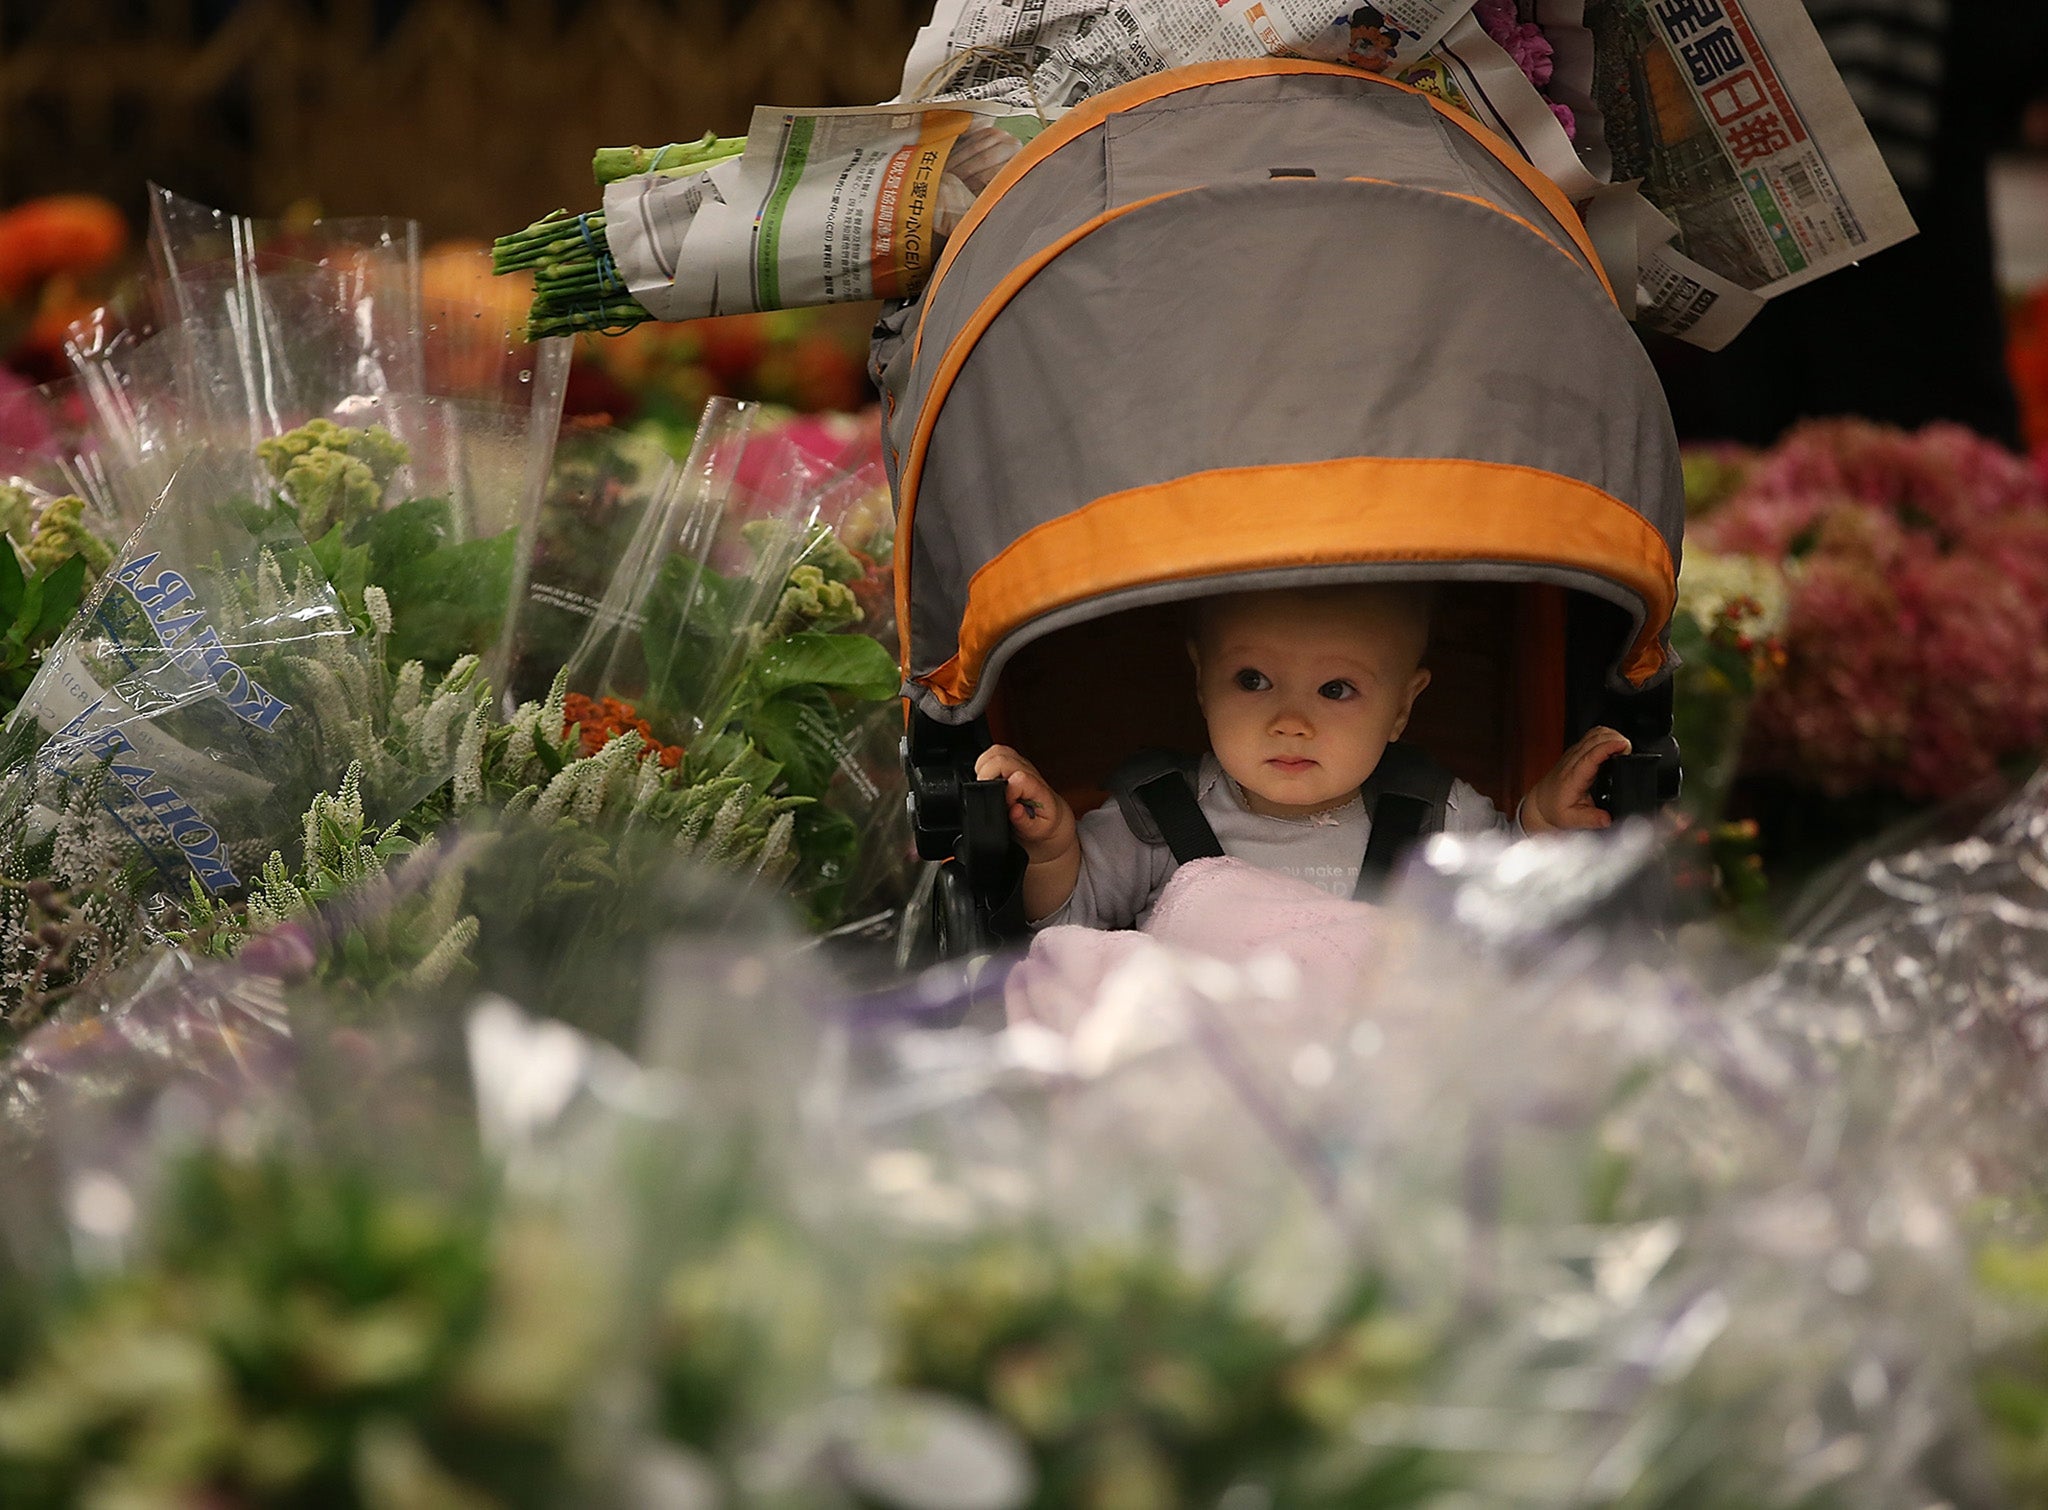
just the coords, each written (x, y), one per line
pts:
(470, 116)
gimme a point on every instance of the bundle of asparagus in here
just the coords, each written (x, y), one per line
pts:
(575, 285)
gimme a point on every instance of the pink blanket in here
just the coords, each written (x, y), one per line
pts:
(1223, 909)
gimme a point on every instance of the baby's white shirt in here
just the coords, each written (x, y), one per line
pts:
(1122, 876)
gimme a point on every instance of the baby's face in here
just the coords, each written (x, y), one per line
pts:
(1303, 692)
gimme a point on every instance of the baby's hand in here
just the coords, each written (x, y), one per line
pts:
(1564, 797)
(1039, 816)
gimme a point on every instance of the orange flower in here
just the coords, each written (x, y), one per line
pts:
(55, 234)
(601, 720)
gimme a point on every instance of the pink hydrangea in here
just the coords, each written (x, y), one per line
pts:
(777, 456)
(1525, 42)
(1917, 638)
(1532, 53)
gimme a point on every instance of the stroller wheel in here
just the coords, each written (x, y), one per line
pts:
(941, 921)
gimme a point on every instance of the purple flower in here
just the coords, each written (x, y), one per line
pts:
(1532, 53)
(286, 953)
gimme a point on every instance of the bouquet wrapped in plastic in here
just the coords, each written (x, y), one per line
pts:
(473, 1251)
(749, 617)
(1529, 1219)
(315, 541)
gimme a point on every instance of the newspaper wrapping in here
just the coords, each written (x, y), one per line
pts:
(824, 207)
(1052, 54)
(1713, 152)
(1744, 138)
(1716, 156)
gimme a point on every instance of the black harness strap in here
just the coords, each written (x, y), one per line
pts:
(1156, 792)
(1408, 795)
(1398, 821)
(1179, 817)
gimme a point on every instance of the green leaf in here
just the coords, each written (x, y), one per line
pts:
(448, 601)
(405, 532)
(795, 729)
(346, 567)
(261, 516)
(688, 622)
(11, 582)
(728, 752)
(850, 663)
(827, 846)
(62, 590)
(550, 758)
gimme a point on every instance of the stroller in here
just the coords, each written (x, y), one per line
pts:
(1256, 324)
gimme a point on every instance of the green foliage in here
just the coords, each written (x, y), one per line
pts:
(303, 1335)
(2012, 1379)
(523, 773)
(404, 707)
(788, 691)
(48, 560)
(60, 534)
(68, 909)
(788, 685)
(35, 607)
(447, 596)
(1711, 659)
(695, 617)
(689, 620)
(850, 663)
(17, 511)
(393, 937)
(1135, 1383)
(452, 599)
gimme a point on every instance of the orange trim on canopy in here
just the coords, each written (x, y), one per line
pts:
(998, 300)
(1355, 510)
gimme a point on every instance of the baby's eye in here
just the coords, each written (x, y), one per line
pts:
(1337, 691)
(1252, 680)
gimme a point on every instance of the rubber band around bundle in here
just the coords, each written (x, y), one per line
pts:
(608, 279)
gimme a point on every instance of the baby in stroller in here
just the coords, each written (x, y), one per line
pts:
(1115, 398)
(1303, 691)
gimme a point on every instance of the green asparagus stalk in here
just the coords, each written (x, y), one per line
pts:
(575, 286)
(676, 159)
